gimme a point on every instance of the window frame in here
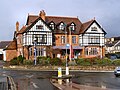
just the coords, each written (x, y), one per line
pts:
(74, 39)
(62, 39)
(61, 26)
(94, 40)
(39, 27)
(93, 28)
(72, 27)
(41, 38)
(52, 25)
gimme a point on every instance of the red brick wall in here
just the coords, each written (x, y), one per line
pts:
(10, 54)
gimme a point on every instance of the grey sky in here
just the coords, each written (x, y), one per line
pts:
(106, 12)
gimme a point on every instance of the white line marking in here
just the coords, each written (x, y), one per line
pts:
(34, 85)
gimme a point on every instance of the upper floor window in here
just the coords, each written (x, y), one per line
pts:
(93, 28)
(74, 39)
(40, 38)
(94, 40)
(39, 26)
(72, 27)
(52, 25)
(62, 26)
(63, 39)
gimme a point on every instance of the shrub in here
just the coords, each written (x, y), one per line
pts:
(43, 60)
(17, 60)
(116, 62)
(104, 62)
(93, 61)
(28, 62)
(83, 62)
(14, 61)
(20, 59)
(56, 61)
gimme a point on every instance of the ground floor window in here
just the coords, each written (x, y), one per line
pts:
(40, 51)
(91, 51)
(30, 51)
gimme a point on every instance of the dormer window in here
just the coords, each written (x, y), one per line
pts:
(72, 27)
(61, 26)
(93, 28)
(52, 26)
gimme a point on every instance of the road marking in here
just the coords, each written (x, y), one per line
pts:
(29, 76)
(34, 85)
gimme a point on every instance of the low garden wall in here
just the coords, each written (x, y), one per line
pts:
(81, 68)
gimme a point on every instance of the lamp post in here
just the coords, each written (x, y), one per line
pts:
(66, 45)
(35, 42)
(101, 52)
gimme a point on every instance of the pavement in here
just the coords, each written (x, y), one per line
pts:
(61, 85)
(3, 83)
(7, 83)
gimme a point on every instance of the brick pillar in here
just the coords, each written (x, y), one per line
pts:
(83, 52)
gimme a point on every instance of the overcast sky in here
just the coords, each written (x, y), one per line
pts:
(106, 12)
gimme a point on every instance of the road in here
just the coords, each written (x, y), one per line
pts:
(39, 80)
(97, 79)
(36, 80)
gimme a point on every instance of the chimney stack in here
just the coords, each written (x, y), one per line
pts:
(42, 14)
(17, 26)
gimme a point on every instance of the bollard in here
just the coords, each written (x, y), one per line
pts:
(67, 70)
(59, 72)
(60, 81)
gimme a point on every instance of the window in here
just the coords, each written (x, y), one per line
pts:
(39, 26)
(74, 39)
(52, 25)
(41, 38)
(94, 40)
(30, 51)
(40, 51)
(86, 51)
(93, 28)
(63, 39)
(72, 27)
(91, 51)
(61, 26)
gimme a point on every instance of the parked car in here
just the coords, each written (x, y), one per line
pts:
(113, 56)
(117, 71)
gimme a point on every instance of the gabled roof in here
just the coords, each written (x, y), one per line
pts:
(33, 20)
(11, 46)
(117, 44)
(80, 28)
(4, 44)
(67, 21)
(57, 19)
(23, 29)
(110, 44)
(86, 25)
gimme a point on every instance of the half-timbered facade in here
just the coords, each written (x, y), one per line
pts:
(35, 32)
(92, 38)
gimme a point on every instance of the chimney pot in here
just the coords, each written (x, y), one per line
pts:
(17, 26)
(42, 14)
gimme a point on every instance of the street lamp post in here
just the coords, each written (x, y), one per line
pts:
(35, 55)
(66, 45)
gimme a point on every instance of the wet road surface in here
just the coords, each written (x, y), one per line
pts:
(39, 80)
